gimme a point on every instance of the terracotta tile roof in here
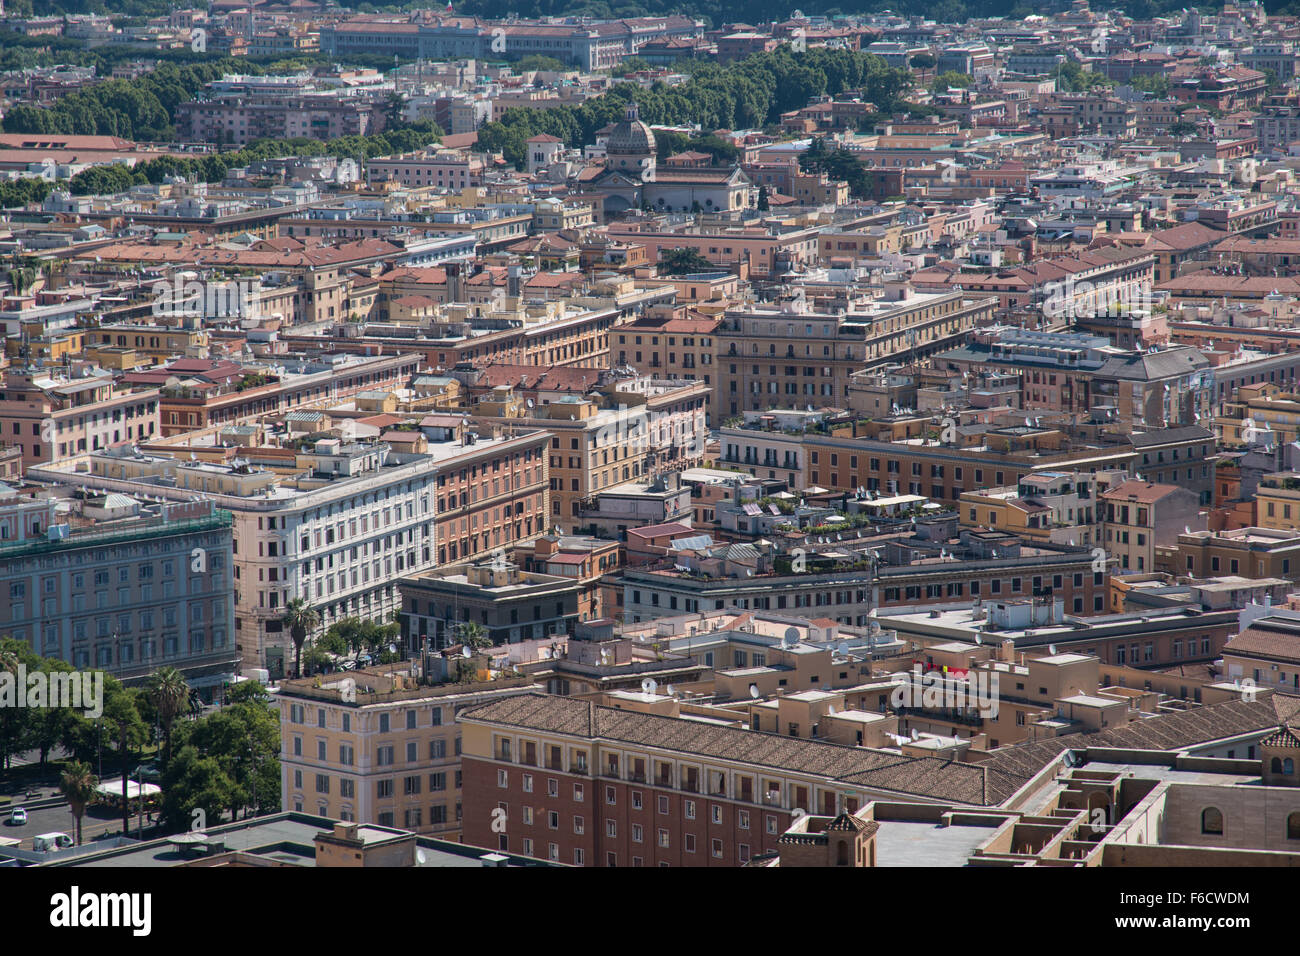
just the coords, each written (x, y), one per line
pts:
(551, 378)
(1187, 236)
(1143, 492)
(1283, 738)
(1273, 639)
(929, 776)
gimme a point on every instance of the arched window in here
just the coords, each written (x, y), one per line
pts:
(1276, 765)
(1293, 826)
(1212, 821)
(843, 854)
(1288, 767)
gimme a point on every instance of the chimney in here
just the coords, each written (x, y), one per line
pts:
(453, 281)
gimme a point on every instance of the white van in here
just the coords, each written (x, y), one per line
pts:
(51, 841)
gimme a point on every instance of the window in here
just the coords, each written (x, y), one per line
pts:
(1212, 821)
(663, 838)
(1293, 826)
(503, 778)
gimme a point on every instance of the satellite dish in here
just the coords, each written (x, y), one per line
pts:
(916, 734)
(830, 710)
(792, 635)
(392, 648)
(672, 691)
(978, 639)
(753, 691)
(1051, 649)
(648, 687)
(466, 652)
(419, 856)
(843, 647)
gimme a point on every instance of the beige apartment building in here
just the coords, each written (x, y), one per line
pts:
(791, 356)
(50, 416)
(651, 427)
(1141, 515)
(446, 169)
(378, 746)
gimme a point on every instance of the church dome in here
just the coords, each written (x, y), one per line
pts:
(631, 137)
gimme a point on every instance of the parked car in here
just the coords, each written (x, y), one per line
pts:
(17, 817)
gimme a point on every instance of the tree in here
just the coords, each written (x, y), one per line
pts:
(676, 262)
(15, 722)
(838, 164)
(923, 61)
(393, 107)
(315, 658)
(48, 726)
(123, 726)
(170, 695)
(78, 786)
(473, 635)
(301, 619)
(1157, 86)
(949, 79)
(226, 761)
(192, 782)
(764, 204)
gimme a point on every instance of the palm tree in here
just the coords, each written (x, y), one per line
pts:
(78, 785)
(301, 619)
(171, 697)
(473, 635)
